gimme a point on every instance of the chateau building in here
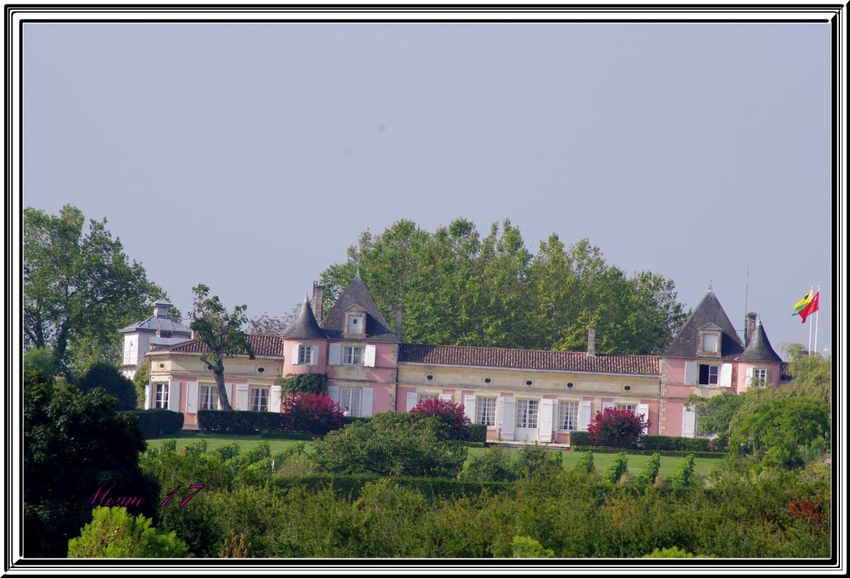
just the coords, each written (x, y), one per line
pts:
(520, 395)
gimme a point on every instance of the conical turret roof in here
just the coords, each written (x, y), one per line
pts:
(305, 326)
(759, 348)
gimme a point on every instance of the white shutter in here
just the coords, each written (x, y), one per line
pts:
(607, 405)
(148, 396)
(690, 373)
(366, 405)
(584, 410)
(749, 377)
(447, 397)
(500, 411)
(412, 399)
(469, 407)
(242, 396)
(508, 418)
(335, 354)
(688, 421)
(314, 358)
(294, 360)
(557, 414)
(333, 393)
(192, 397)
(274, 402)
(174, 396)
(766, 376)
(726, 375)
(643, 410)
(369, 356)
(544, 431)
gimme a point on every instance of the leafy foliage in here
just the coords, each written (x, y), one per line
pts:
(311, 413)
(681, 476)
(74, 445)
(293, 384)
(140, 382)
(79, 288)
(449, 414)
(42, 362)
(269, 325)
(616, 469)
(108, 377)
(585, 463)
(647, 475)
(221, 332)
(715, 413)
(113, 533)
(525, 547)
(458, 288)
(536, 460)
(490, 466)
(618, 428)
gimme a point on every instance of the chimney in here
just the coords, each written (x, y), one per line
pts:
(750, 326)
(318, 300)
(591, 341)
(399, 313)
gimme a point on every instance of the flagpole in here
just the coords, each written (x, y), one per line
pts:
(817, 318)
(811, 294)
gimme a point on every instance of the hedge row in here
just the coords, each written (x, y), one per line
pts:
(668, 453)
(655, 443)
(349, 487)
(158, 422)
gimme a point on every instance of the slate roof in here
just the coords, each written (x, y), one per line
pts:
(709, 310)
(154, 323)
(305, 326)
(264, 346)
(357, 294)
(528, 359)
(759, 348)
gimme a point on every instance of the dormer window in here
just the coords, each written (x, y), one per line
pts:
(709, 340)
(355, 322)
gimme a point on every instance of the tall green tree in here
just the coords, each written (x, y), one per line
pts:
(221, 332)
(79, 288)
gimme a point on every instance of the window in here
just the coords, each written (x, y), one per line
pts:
(259, 399)
(759, 377)
(485, 410)
(352, 356)
(208, 397)
(355, 323)
(425, 396)
(710, 342)
(350, 398)
(526, 413)
(708, 374)
(567, 415)
(627, 406)
(161, 396)
(305, 354)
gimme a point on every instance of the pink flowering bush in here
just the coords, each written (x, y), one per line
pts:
(618, 428)
(310, 413)
(450, 414)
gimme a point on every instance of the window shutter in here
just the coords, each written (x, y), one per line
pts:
(469, 408)
(412, 398)
(335, 354)
(555, 411)
(690, 373)
(192, 397)
(607, 405)
(366, 405)
(333, 393)
(726, 375)
(369, 356)
(148, 395)
(227, 394)
(643, 410)
(242, 396)
(766, 375)
(447, 397)
(174, 396)
(584, 410)
(295, 354)
(749, 376)
(508, 417)
(274, 402)
(544, 431)
(500, 411)
(688, 421)
(314, 357)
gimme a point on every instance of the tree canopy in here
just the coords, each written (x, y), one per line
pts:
(458, 288)
(79, 288)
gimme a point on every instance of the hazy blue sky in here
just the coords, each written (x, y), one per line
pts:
(250, 156)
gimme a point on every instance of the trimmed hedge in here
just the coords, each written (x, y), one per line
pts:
(239, 422)
(157, 422)
(477, 432)
(655, 443)
(673, 454)
(349, 487)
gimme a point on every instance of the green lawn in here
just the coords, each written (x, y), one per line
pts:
(214, 441)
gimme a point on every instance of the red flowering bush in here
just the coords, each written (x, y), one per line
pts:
(618, 428)
(450, 414)
(310, 413)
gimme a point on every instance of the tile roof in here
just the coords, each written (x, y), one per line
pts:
(264, 346)
(357, 294)
(528, 359)
(708, 311)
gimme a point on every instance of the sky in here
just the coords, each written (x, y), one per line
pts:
(249, 156)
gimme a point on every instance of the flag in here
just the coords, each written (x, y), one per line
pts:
(801, 304)
(810, 307)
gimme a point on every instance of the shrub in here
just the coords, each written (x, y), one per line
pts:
(535, 460)
(616, 469)
(681, 476)
(619, 428)
(672, 552)
(239, 422)
(477, 432)
(311, 413)
(451, 416)
(580, 438)
(525, 547)
(647, 475)
(158, 422)
(293, 384)
(491, 466)
(113, 533)
(585, 463)
(113, 382)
